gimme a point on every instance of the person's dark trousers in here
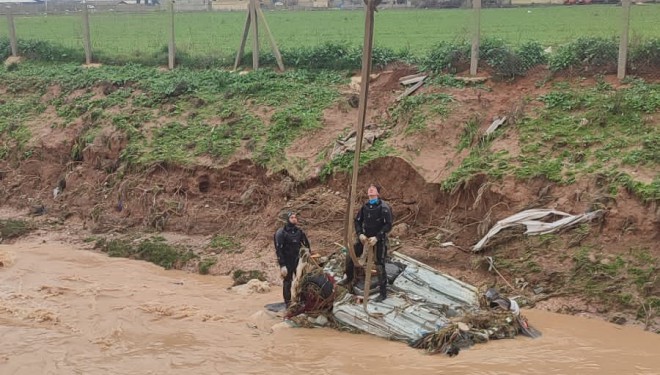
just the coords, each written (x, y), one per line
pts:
(381, 254)
(288, 280)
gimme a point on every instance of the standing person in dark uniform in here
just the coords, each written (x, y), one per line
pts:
(288, 241)
(372, 224)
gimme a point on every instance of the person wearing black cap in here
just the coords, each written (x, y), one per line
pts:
(372, 224)
(288, 241)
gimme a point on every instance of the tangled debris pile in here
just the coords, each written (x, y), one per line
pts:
(425, 308)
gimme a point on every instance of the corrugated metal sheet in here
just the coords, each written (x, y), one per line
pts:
(422, 300)
(434, 286)
(395, 318)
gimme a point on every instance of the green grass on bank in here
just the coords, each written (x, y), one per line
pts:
(177, 117)
(580, 133)
(167, 117)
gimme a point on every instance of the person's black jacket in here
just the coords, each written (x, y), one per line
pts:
(374, 219)
(288, 241)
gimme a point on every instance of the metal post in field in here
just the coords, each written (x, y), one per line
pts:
(623, 43)
(87, 39)
(171, 46)
(362, 115)
(12, 32)
(476, 34)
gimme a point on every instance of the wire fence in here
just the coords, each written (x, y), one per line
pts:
(469, 34)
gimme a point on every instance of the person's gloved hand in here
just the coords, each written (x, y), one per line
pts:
(363, 238)
(372, 241)
(283, 271)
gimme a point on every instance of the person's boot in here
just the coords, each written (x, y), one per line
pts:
(382, 280)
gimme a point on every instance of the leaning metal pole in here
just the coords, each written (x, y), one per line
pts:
(370, 6)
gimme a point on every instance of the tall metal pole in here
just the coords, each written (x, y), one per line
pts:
(476, 35)
(362, 115)
(623, 43)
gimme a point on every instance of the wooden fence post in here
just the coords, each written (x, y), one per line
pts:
(87, 39)
(623, 42)
(255, 33)
(476, 34)
(171, 46)
(12, 32)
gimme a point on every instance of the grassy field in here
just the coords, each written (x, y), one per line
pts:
(219, 32)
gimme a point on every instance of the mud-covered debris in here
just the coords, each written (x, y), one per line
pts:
(243, 277)
(354, 101)
(618, 319)
(400, 230)
(412, 79)
(347, 143)
(37, 210)
(472, 80)
(410, 90)
(495, 125)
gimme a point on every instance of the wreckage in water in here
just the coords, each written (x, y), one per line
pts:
(425, 308)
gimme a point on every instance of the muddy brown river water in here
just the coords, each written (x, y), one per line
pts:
(70, 311)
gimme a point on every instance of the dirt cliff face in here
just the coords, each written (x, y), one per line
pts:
(84, 182)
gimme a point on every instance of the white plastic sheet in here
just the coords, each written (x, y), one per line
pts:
(531, 219)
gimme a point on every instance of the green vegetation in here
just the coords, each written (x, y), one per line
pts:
(469, 132)
(216, 35)
(206, 264)
(580, 132)
(226, 244)
(507, 61)
(14, 133)
(210, 113)
(625, 280)
(155, 250)
(300, 108)
(332, 39)
(412, 112)
(176, 117)
(344, 162)
(595, 130)
(589, 51)
(481, 159)
(11, 228)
